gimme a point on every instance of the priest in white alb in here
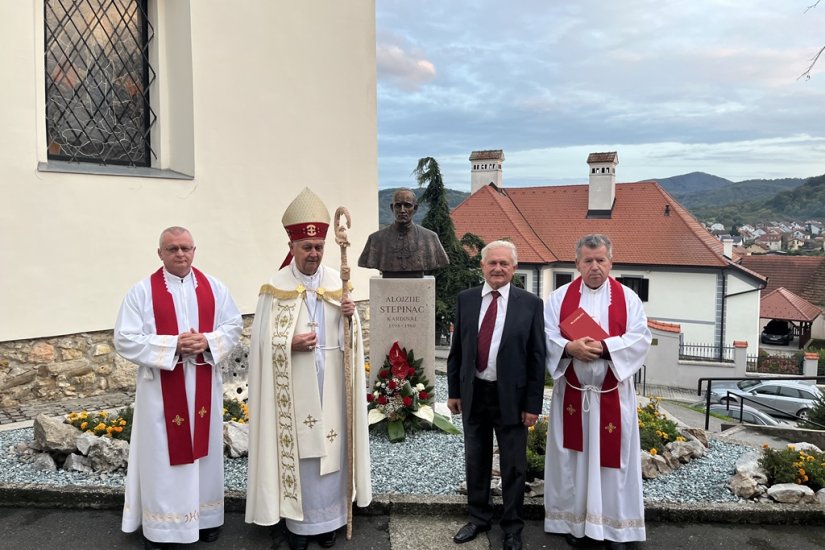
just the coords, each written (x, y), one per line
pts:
(593, 478)
(176, 325)
(297, 391)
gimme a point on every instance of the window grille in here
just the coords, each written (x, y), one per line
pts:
(562, 279)
(637, 284)
(97, 81)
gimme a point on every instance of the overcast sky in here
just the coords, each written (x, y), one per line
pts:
(674, 86)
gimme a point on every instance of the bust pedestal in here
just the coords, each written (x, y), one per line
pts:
(403, 311)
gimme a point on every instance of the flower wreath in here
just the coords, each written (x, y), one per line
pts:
(403, 397)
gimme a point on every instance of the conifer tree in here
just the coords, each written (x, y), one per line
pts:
(464, 269)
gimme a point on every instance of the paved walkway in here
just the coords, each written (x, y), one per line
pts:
(68, 529)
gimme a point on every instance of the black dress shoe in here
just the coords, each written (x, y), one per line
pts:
(613, 545)
(152, 545)
(581, 542)
(296, 542)
(512, 541)
(469, 532)
(209, 535)
(326, 540)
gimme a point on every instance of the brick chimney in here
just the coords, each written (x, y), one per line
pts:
(602, 190)
(485, 168)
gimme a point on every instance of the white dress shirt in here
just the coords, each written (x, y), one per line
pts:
(489, 374)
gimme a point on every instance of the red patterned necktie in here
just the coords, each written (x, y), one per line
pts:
(485, 333)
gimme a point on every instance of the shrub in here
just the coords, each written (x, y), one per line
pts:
(815, 414)
(235, 410)
(536, 448)
(101, 423)
(655, 430)
(779, 364)
(791, 466)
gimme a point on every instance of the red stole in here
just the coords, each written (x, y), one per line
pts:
(610, 418)
(172, 383)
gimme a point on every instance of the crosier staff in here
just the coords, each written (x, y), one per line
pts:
(342, 241)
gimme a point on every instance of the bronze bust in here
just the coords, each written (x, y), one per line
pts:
(403, 249)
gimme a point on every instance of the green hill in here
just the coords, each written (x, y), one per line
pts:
(801, 203)
(699, 190)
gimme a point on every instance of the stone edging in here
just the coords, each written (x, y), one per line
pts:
(100, 498)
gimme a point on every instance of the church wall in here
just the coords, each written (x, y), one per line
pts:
(282, 95)
(255, 100)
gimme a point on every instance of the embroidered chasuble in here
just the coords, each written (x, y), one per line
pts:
(297, 399)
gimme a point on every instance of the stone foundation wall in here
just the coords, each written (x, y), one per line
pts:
(77, 366)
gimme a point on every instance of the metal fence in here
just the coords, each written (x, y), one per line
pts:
(775, 364)
(705, 352)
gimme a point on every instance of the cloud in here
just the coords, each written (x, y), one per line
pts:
(404, 69)
(675, 87)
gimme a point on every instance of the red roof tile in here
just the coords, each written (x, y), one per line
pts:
(784, 304)
(796, 273)
(489, 154)
(494, 216)
(603, 157)
(666, 327)
(546, 222)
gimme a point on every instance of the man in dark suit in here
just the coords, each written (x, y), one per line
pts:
(495, 375)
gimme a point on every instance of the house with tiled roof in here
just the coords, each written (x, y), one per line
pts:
(659, 249)
(782, 304)
(803, 276)
(772, 240)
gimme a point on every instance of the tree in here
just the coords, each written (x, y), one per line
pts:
(464, 270)
(807, 74)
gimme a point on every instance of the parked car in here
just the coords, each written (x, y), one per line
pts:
(777, 332)
(791, 397)
(749, 414)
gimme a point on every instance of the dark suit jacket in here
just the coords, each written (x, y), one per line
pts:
(520, 362)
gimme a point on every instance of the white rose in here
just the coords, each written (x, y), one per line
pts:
(419, 387)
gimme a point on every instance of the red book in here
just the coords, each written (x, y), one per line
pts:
(580, 324)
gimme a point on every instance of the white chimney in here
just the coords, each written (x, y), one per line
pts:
(602, 190)
(485, 168)
(727, 247)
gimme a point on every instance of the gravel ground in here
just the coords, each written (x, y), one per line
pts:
(428, 462)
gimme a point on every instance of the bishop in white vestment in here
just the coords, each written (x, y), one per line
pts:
(298, 432)
(595, 491)
(174, 487)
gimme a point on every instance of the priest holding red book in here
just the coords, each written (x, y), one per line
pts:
(597, 339)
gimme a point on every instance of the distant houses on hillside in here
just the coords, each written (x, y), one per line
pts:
(779, 236)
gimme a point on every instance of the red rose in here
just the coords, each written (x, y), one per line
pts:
(423, 395)
(391, 385)
(382, 399)
(370, 398)
(408, 401)
(383, 373)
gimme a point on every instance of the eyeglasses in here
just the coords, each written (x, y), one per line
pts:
(405, 205)
(174, 249)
